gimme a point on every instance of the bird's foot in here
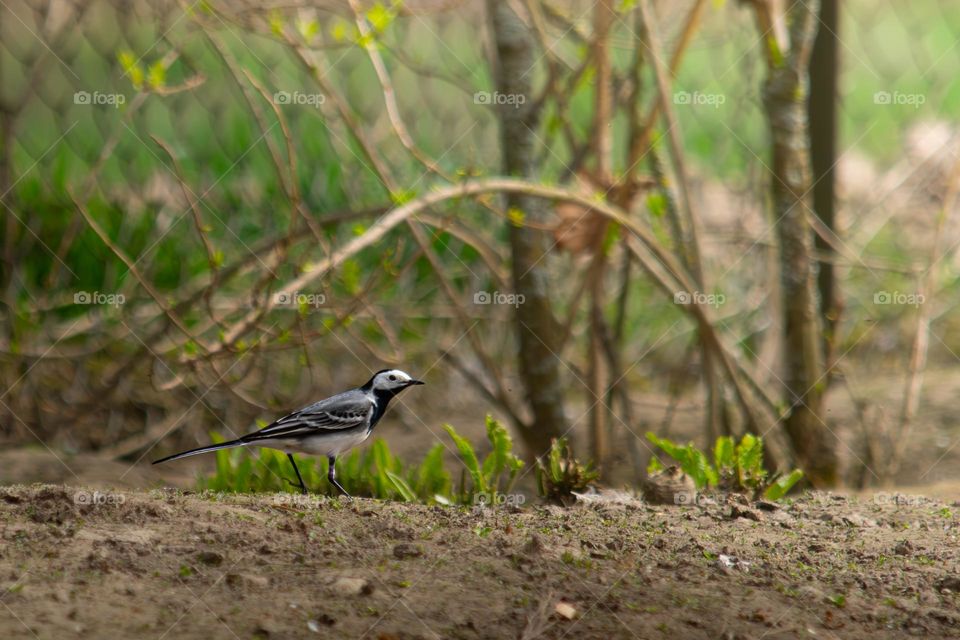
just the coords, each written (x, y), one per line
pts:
(303, 489)
(343, 492)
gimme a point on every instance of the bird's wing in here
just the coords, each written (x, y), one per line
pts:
(344, 411)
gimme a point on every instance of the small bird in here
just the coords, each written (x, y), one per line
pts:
(328, 427)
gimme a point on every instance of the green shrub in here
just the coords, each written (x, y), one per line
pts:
(735, 466)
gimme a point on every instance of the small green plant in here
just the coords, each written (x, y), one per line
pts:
(735, 466)
(562, 473)
(499, 470)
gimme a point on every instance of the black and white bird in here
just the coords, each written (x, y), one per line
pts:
(328, 427)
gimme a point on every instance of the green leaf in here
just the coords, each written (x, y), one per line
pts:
(276, 22)
(704, 475)
(496, 461)
(783, 485)
(750, 460)
(340, 30)
(157, 75)
(611, 237)
(131, 68)
(432, 477)
(127, 60)
(241, 475)
(350, 273)
(223, 455)
(381, 460)
(723, 452)
(308, 29)
(469, 457)
(654, 466)
(657, 204)
(403, 196)
(402, 487)
(380, 17)
(676, 452)
(136, 78)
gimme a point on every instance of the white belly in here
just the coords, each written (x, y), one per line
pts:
(326, 443)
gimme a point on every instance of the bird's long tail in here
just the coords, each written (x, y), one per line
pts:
(193, 452)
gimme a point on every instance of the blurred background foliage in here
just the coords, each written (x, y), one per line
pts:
(196, 81)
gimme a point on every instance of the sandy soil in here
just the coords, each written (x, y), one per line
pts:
(165, 564)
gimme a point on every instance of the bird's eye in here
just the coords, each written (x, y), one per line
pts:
(393, 377)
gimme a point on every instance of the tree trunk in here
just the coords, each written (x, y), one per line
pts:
(785, 95)
(822, 109)
(536, 324)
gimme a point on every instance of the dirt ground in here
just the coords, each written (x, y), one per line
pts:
(169, 564)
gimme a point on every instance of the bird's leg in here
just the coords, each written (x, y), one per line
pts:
(332, 474)
(303, 487)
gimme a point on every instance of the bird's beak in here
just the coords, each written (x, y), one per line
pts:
(413, 382)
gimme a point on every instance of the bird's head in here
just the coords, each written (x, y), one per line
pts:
(390, 381)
